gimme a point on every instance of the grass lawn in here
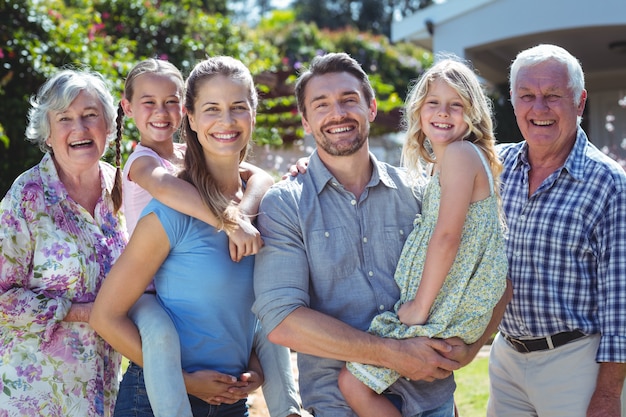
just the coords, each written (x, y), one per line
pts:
(472, 389)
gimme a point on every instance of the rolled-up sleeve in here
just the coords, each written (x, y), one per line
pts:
(281, 272)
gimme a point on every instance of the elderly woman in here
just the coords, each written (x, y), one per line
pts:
(59, 236)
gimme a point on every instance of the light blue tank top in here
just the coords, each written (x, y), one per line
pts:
(207, 295)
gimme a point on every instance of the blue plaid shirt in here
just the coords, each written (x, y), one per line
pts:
(567, 248)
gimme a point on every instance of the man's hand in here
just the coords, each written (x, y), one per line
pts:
(604, 406)
(462, 353)
(422, 358)
(606, 399)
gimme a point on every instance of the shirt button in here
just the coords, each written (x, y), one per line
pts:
(381, 307)
(371, 274)
(522, 217)
(401, 232)
(326, 234)
(518, 254)
(353, 202)
(364, 240)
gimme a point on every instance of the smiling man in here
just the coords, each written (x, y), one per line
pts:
(562, 346)
(333, 237)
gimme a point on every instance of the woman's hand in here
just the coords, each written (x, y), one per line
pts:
(214, 387)
(79, 312)
(250, 381)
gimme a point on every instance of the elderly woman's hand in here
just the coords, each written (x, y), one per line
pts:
(79, 312)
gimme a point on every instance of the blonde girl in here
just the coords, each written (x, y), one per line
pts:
(452, 271)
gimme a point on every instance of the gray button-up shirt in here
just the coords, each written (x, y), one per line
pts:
(329, 251)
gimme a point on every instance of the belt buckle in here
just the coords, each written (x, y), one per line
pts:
(518, 343)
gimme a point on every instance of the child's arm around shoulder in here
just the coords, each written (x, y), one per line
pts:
(246, 239)
(182, 196)
(258, 182)
(149, 174)
(459, 168)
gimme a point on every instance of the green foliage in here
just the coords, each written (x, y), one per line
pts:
(109, 36)
(180, 32)
(37, 38)
(472, 392)
(391, 67)
(372, 16)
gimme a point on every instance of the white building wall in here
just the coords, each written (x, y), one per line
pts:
(504, 19)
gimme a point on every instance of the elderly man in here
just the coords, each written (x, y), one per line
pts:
(561, 350)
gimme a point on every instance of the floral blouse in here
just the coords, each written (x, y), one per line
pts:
(54, 253)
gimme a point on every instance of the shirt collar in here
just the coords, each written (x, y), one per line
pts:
(321, 176)
(574, 164)
(53, 188)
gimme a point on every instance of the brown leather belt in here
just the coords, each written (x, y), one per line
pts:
(543, 343)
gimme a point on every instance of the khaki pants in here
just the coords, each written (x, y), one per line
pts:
(550, 383)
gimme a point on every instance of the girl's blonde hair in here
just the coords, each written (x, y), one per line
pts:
(477, 113)
(195, 170)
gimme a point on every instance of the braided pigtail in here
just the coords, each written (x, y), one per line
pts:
(116, 193)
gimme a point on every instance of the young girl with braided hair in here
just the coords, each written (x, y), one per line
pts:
(153, 98)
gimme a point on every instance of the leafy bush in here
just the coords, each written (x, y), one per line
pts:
(110, 36)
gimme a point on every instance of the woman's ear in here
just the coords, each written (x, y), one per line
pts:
(192, 122)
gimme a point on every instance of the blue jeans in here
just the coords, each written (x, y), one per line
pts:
(160, 347)
(132, 400)
(163, 373)
(202, 409)
(445, 410)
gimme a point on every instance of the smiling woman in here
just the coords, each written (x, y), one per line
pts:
(59, 236)
(204, 292)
